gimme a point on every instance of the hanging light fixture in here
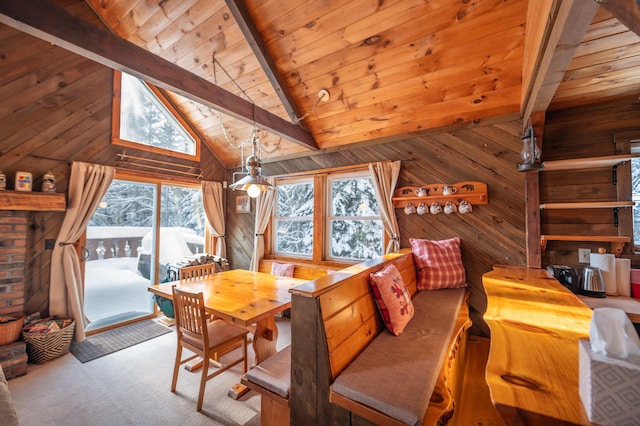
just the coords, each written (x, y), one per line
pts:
(254, 183)
(530, 153)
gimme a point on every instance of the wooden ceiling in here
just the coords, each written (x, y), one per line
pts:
(393, 68)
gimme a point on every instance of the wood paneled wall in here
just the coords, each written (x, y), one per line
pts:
(492, 234)
(55, 109)
(588, 131)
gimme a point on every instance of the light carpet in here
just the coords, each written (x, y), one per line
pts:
(131, 387)
(117, 339)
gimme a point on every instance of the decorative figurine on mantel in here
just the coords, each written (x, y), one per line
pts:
(48, 182)
(3, 181)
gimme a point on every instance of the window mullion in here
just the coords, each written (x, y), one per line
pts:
(319, 213)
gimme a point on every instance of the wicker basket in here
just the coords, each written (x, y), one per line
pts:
(10, 331)
(43, 347)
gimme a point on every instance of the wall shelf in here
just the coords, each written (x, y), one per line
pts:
(617, 242)
(583, 163)
(472, 192)
(32, 201)
(588, 205)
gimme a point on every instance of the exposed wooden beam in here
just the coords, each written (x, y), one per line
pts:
(55, 25)
(626, 11)
(252, 35)
(567, 22)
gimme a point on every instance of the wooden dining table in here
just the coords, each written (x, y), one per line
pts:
(244, 298)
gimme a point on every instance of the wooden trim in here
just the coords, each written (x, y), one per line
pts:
(252, 35)
(51, 23)
(32, 201)
(566, 23)
(626, 11)
(159, 94)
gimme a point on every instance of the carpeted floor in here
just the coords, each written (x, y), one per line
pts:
(114, 340)
(131, 388)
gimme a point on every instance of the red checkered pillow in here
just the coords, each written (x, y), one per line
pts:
(392, 297)
(282, 269)
(438, 263)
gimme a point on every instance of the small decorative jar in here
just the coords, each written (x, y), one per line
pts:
(3, 181)
(48, 182)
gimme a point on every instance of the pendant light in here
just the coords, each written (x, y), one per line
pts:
(254, 183)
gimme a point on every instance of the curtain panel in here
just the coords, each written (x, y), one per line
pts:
(87, 185)
(385, 177)
(264, 206)
(212, 198)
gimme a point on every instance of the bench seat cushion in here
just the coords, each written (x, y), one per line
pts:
(274, 373)
(396, 375)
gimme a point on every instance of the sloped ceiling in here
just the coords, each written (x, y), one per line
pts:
(392, 68)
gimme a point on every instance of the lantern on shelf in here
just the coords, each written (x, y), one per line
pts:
(530, 153)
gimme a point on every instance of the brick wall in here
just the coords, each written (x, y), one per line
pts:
(13, 250)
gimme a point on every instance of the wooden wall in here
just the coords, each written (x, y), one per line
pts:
(589, 131)
(55, 109)
(492, 234)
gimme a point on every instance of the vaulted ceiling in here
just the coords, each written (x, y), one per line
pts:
(389, 69)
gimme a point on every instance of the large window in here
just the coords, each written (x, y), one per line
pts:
(139, 230)
(327, 217)
(144, 119)
(293, 221)
(353, 224)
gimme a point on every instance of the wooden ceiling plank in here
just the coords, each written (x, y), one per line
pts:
(627, 11)
(568, 23)
(252, 35)
(46, 21)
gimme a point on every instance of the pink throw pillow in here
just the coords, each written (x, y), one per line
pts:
(282, 269)
(392, 297)
(438, 263)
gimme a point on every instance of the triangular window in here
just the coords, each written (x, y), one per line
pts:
(145, 119)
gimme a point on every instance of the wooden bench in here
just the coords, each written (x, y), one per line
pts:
(337, 331)
(272, 380)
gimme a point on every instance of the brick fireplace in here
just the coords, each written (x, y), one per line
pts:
(13, 251)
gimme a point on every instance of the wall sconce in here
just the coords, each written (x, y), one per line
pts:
(530, 153)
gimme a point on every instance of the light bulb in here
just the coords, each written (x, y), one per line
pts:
(253, 191)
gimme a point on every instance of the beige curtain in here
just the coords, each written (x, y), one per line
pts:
(385, 176)
(87, 185)
(264, 206)
(212, 194)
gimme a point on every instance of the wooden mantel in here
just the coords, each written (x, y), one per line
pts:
(32, 201)
(535, 323)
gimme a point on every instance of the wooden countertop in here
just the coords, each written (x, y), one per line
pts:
(535, 323)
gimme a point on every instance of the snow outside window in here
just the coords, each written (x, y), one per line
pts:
(294, 219)
(354, 227)
(146, 121)
(635, 196)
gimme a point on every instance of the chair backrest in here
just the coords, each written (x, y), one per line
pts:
(191, 318)
(189, 273)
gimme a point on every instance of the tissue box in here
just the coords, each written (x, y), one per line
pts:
(609, 387)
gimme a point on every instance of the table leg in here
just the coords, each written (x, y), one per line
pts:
(264, 345)
(265, 338)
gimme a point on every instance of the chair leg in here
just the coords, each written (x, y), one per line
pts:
(203, 381)
(176, 368)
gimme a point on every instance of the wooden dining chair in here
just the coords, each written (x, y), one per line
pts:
(206, 339)
(190, 273)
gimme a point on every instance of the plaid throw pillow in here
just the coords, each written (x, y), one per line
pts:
(392, 297)
(282, 269)
(438, 263)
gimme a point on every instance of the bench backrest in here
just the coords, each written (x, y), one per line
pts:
(350, 314)
(305, 271)
(333, 318)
